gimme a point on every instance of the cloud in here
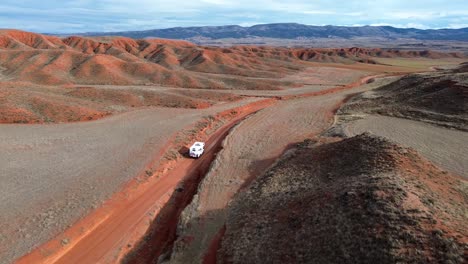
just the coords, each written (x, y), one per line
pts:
(218, 2)
(319, 12)
(407, 25)
(121, 15)
(454, 26)
(411, 15)
(354, 14)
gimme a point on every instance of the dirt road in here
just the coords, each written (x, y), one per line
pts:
(445, 147)
(51, 175)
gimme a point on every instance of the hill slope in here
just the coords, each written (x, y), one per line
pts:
(361, 199)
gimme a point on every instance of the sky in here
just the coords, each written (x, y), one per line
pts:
(57, 16)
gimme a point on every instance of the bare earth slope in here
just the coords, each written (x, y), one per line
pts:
(363, 199)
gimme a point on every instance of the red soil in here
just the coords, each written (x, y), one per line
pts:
(103, 235)
(441, 185)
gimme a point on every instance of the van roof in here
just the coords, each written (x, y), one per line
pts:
(197, 144)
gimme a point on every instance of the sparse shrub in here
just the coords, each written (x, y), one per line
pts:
(149, 173)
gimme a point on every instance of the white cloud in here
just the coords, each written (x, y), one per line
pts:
(319, 12)
(146, 14)
(407, 25)
(218, 2)
(354, 14)
(411, 15)
(249, 24)
(453, 26)
(424, 15)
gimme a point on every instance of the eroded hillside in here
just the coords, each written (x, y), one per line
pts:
(51, 60)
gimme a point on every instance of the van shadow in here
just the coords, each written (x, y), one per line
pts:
(184, 151)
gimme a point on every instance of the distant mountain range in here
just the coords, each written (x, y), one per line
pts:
(292, 31)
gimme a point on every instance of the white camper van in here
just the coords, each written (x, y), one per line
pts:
(197, 149)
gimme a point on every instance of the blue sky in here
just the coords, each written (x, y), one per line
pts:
(55, 16)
